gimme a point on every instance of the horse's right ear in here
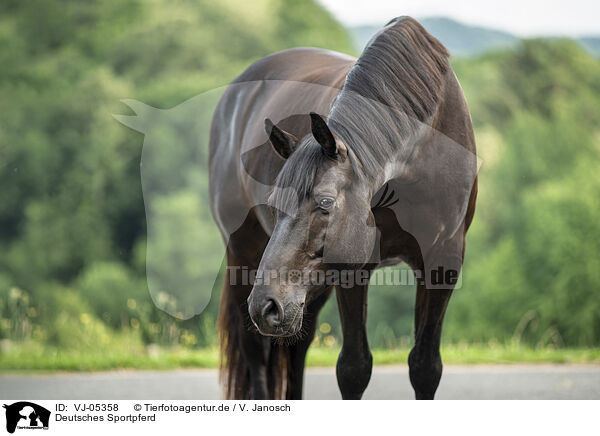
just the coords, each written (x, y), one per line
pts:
(283, 142)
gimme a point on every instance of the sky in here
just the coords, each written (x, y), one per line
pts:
(520, 17)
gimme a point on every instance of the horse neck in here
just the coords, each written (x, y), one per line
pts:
(379, 152)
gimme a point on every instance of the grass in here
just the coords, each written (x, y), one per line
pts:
(26, 358)
(472, 355)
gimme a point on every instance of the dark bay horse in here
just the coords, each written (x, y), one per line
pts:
(368, 162)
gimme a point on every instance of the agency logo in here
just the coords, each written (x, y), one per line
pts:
(26, 415)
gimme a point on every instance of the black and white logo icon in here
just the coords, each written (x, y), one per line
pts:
(26, 415)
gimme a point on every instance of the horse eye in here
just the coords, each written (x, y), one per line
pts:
(325, 203)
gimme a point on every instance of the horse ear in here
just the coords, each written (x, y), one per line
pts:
(322, 134)
(283, 142)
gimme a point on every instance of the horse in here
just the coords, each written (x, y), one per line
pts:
(370, 162)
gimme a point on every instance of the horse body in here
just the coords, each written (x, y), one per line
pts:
(353, 198)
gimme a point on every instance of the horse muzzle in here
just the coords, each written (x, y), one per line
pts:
(273, 317)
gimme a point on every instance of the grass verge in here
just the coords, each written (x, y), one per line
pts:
(26, 358)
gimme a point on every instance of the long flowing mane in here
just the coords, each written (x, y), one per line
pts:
(395, 84)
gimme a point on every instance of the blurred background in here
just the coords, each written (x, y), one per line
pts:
(73, 290)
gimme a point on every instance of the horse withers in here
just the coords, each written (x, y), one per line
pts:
(323, 166)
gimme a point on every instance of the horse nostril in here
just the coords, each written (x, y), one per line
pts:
(271, 313)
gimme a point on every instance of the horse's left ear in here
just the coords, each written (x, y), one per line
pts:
(283, 142)
(323, 135)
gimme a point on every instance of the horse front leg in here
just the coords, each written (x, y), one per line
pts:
(255, 351)
(355, 361)
(248, 354)
(424, 360)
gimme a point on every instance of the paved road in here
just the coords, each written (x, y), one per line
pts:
(458, 382)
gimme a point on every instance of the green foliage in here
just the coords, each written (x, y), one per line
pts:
(531, 270)
(113, 294)
(72, 217)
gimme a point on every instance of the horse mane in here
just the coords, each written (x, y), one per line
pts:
(402, 66)
(395, 85)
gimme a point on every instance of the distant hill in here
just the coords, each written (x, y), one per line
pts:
(591, 44)
(463, 40)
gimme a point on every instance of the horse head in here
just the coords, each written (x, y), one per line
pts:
(327, 227)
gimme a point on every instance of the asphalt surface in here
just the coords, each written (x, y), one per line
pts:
(458, 382)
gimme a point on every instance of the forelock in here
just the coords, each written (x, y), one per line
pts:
(298, 175)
